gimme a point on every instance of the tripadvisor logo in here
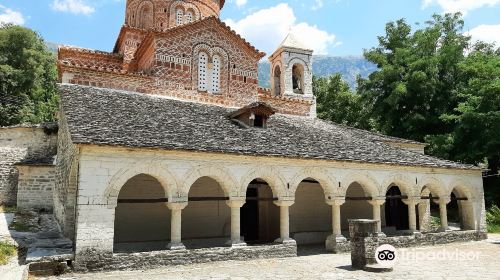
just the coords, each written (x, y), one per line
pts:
(386, 256)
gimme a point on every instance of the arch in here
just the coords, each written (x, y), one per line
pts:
(396, 212)
(300, 61)
(403, 182)
(189, 15)
(434, 185)
(200, 67)
(463, 189)
(185, 8)
(145, 15)
(220, 175)
(298, 73)
(277, 80)
(161, 174)
(326, 181)
(369, 184)
(141, 226)
(268, 174)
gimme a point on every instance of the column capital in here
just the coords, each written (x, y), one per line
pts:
(444, 199)
(336, 201)
(176, 205)
(282, 203)
(377, 201)
(236, 203)
(412, 201)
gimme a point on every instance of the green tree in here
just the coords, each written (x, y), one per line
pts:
(28, 76)
(415, 83)
(337, 103)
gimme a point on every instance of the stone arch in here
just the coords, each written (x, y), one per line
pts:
(161, 174)
(369, 184)
(270, 175)
(463, 188)
(326, 181)
(434, 185)
(277, 79)
(404, 183)
(144, 18)
(225, 179)
(297, 60)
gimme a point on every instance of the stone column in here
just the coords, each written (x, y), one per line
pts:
(284, 222)
(412, 214)
(443, 213)
(424, 215)
(176, 225)
(336, 241)
(376, 203)
(235, 206)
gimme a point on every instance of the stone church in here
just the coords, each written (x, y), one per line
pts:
(168, 148)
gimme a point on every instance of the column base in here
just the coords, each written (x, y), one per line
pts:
(286, 241)
(235, 244)
(337, 244)
(176, 246)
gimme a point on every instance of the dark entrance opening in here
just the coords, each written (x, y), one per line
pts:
(396, 212)
(250, 216)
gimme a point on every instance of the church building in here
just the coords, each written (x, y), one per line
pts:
(169, 152)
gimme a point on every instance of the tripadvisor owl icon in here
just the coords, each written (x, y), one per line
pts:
(386, 256)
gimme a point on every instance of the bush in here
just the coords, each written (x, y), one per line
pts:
(493, 219)
(6, 251)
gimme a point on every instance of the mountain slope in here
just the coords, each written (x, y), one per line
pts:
(349, 67)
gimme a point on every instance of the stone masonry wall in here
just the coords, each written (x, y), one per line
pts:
(66, 172)
(36, 184)
(21, 144)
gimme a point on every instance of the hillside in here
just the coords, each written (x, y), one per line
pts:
(350, 67)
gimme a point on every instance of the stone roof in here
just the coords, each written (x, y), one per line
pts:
(118, 118)
(292, 42)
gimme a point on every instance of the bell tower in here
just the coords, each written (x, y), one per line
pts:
(291, 69)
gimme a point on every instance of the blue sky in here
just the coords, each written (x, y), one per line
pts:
(333, 27)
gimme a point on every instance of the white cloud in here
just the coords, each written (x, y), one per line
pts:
(72, 6)
(241, 3)
(486, 33)
(268, 27)
(463, 6)
(9, 16)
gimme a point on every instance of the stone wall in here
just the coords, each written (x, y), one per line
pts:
(92, 260)
(22, 144)
(64, 195)
(36, 184)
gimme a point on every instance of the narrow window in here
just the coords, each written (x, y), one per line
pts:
(189, 17)
(202, 71)
(215, 85)
(180, 15)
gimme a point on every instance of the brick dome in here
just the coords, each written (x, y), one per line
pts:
(164, 14)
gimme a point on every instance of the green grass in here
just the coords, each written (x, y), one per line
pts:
(493, 219)
(6, 252)
(7, 209)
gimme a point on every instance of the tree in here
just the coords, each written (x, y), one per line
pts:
(28, 76)
(415, 83)
(337, 103)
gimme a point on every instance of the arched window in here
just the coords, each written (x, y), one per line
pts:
(145, 16)
(298, 78)
(215, 83)
(179, 17)
(277, 81)
(202, 71)
(189, 17)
